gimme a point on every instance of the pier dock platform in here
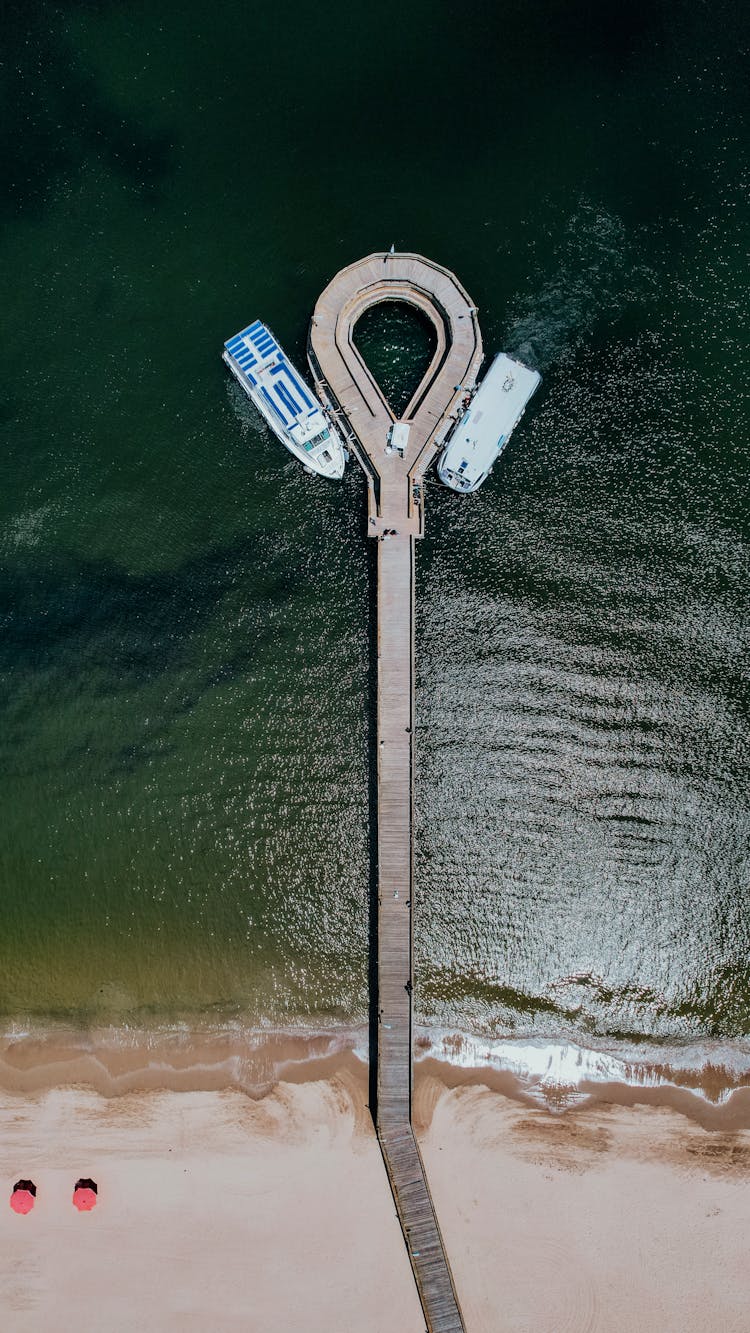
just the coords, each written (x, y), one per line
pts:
(395, 455)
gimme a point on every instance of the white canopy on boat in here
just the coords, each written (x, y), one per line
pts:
(483, 432)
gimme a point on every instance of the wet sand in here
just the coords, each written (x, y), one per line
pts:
(712, 1088)
(267, 1206)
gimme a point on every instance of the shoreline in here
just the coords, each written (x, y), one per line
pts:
(709, 1085)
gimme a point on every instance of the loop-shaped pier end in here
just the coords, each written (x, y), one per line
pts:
(394, 462)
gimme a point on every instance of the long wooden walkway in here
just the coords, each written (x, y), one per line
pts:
(395, 519)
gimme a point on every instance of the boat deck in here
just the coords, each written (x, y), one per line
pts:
(396, 518)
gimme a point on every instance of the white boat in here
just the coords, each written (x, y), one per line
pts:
(284, 400)
(481, 434)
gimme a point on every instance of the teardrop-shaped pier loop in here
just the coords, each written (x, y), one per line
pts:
(346, 384)
(395, 456)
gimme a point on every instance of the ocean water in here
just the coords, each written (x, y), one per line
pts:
(184, 650)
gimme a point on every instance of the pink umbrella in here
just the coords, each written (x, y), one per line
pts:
(22, 1198)
(84, 1195)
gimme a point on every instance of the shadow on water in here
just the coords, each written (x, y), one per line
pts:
(136, 625)
(67, 621)
(612, 36)
(48, 88)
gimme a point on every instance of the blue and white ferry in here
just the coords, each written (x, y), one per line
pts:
(481, 434)
(284, 400)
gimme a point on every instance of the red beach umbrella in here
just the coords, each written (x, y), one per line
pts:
(22, 1198)
(84, 1195)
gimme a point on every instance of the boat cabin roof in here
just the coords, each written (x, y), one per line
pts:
(263, 364)
(492, 414)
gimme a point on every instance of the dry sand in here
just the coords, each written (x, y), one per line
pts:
(616, 1219)
(215, 1212)
(220, 1211)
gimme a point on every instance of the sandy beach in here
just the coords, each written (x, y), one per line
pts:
(614, 1219)
(223, 1210)
(214, 1212)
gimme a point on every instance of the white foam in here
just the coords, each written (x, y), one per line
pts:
(543, 1064)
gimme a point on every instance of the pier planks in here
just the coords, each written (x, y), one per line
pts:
(396, 518)
(395, 915)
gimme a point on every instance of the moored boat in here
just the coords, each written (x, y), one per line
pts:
(285, 401)
(482, 432)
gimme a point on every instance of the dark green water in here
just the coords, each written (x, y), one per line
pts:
(398, 343)
(184, 613)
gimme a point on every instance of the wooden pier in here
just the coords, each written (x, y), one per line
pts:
(396, 518)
